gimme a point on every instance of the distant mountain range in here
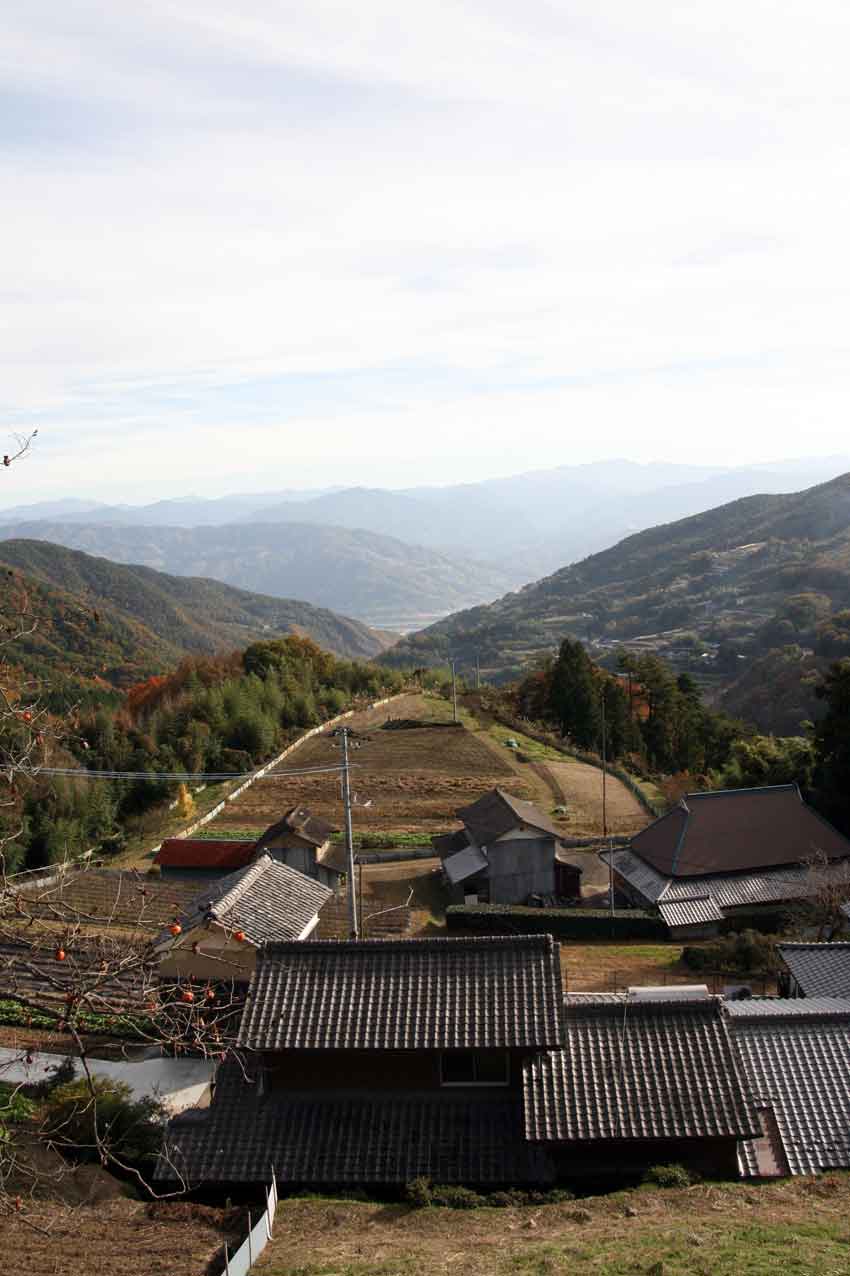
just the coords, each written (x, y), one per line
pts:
(521, 527)
(726, 576)
(384, 582)
(88, 620)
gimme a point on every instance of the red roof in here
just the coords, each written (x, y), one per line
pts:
(187, 852)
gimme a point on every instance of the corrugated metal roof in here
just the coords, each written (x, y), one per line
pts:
(728, 890)
(698, 910)
(349, 1138)
(406, 994)
(797, 1062)
(728, 829)
(269, 901)
(639, 1070)
(821, 970)
(464, 864)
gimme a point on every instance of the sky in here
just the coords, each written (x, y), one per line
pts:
(270, 245)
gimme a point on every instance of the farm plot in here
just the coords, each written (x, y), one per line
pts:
(110, 899)
(414, 780)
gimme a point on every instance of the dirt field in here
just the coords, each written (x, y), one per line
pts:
(111, 1237)
(582, 788)
(796, 1228)
(414, 779)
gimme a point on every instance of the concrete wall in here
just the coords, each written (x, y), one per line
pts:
(520, 867)
(219, 956)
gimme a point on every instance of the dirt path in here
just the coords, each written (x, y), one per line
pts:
(582, 787)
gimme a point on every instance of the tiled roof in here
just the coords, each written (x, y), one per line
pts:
(728, 890)
(464, 864)
(268, 900)
(821, 970)
(639, 1070)
(298, 820)
(497, 812)
(349, 1138)
(796, 1055)
(737, 829)
(695, 910)
(406, 994)
(186, 852)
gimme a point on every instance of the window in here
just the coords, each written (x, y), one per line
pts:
(475, 1067)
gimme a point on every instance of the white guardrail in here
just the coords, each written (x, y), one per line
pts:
(257, 1239)
(269, 766)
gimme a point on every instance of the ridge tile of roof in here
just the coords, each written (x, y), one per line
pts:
(732, 830)
(408, 994)
(640, 1070)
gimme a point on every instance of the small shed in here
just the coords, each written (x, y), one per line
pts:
(303, 841)
(200, 857)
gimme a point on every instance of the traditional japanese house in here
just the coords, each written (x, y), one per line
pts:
(728, 853)
(796, 1053)
(505, 853)
(640, 1082)
(378, 1061)
(217, 935)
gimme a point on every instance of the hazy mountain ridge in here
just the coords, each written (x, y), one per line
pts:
(95, 619)
(721, 575)
(383, 581)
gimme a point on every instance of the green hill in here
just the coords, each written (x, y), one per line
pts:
(88, 619)
(728, 578)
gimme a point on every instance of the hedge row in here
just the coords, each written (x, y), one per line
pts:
(563, 923)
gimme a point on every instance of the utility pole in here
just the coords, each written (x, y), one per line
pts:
(345, 734)
(454, 689)
(477, 672)
(605, 813)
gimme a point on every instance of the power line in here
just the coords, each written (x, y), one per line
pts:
(217, 777)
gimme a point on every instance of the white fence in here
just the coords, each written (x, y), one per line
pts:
(257, 1239)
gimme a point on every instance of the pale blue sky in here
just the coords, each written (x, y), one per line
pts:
(279, 244)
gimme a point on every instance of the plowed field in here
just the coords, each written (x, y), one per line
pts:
(414, 779)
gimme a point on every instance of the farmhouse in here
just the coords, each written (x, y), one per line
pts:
(639, 1083)
(378, 1061)
(220, 931)
(795, 1054)
(505, 852)
(722, 854)
(303, 841)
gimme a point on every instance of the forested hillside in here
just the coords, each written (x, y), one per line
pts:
(744, 579)
(221, 714)
(382, 581)
(89, 623)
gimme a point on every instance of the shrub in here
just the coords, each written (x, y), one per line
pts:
(563, 923)
(668, 1176)
(418, 1192)
(129, 1130)
(744, 954)
(457, 1198)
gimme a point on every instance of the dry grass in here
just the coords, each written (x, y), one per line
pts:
(797, 1227)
